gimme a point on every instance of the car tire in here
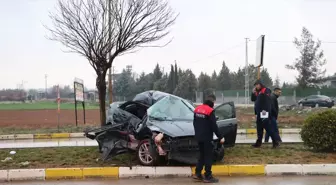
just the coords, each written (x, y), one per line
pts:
(147, 154)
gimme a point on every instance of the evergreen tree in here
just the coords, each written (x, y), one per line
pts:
(266, 78)
(224, 78)
(214, 80)
(125, 85)
(157, 73)
(187, 86)
(204, 82)
(309, 64)
(170, 81)
(176, 75)
(277, 81)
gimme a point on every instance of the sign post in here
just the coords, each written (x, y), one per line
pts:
(260, 53)
(79, 96)
(58, 107)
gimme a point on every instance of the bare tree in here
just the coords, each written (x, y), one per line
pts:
(102, 30)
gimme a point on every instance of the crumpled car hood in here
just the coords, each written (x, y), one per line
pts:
(173, 128)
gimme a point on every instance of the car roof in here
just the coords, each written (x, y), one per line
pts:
(151, 97)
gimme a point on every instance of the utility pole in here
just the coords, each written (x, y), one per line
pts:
(247, 79)
(46, 85)
(110, 35)
(113, 75)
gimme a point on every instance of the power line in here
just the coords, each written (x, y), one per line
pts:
(286, 41)
(226, 50)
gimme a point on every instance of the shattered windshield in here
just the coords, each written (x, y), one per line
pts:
(171, 108)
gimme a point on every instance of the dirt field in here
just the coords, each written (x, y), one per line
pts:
(290, 119)
(33, 119)
(40, 119)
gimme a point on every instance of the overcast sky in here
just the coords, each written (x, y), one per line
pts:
(206, 33)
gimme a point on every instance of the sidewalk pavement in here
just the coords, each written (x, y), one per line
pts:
(81, 135)
(156, 172)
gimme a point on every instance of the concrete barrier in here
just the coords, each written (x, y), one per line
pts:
(108, 172)
(283, 169)
(63, 173)
(3, 175)
(155, 172)
(81, 135)
(319, 169)
(24, 136)
(26, 174)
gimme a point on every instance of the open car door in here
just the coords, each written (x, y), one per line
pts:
(227, 122)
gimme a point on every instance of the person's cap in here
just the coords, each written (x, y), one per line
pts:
(258, 82)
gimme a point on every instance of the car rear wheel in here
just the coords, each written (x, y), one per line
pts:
(147, 154)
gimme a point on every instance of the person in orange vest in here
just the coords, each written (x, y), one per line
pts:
(205, 124)
(263, 110)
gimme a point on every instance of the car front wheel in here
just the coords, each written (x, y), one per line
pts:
(147, 154)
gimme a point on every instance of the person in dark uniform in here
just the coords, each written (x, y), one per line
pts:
(205, 125)
(262, 108)
(274, 114)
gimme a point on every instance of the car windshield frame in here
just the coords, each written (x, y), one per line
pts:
(166, 103)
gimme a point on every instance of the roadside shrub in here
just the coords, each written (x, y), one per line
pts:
(319, 131)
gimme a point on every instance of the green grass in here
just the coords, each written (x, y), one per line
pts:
(45, 105)
(90, 157)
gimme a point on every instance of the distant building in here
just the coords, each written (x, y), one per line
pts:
(92, 95)
(331, 82)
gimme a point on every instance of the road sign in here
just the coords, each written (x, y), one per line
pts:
(260, 51)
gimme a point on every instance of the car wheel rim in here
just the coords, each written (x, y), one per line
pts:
(144, 153)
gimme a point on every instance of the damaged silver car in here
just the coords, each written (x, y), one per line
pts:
(159, 127)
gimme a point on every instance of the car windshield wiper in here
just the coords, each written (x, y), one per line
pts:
(187, 106)
(157, 118)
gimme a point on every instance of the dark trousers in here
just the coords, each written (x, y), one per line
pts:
(264, 123)
(205, 158)
(274, 127)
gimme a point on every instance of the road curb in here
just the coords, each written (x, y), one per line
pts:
(81, 135)
(157, 172)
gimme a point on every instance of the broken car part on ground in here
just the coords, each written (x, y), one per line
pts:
(134, 125)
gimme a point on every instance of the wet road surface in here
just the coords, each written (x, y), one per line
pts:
(40, 143)
(287, 180)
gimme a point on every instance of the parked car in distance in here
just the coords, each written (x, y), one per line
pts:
(317, 100)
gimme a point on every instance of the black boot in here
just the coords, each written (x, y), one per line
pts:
(276, 144)
(257, 144)
(210, 179)
(198, 177)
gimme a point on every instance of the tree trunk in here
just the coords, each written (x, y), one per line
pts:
(101, 86)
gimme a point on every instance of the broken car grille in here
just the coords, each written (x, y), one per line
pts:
(184, 144)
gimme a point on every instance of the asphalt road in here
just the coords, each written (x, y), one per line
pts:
(287, 180)
(40, 143)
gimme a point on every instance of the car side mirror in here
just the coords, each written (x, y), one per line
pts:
(217, 118)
